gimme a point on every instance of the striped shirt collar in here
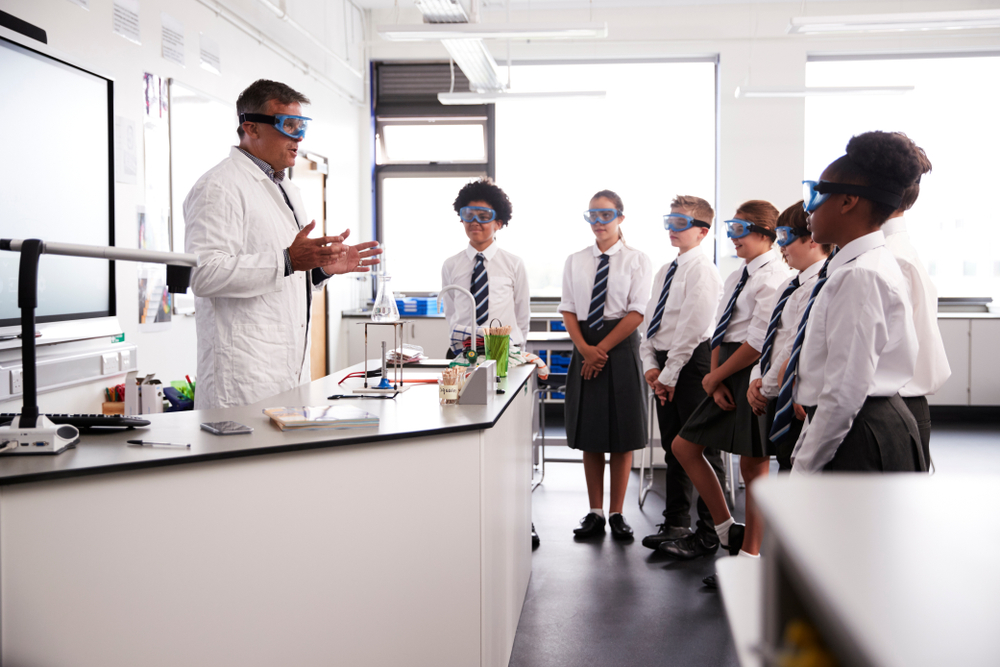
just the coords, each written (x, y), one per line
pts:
(275, 176)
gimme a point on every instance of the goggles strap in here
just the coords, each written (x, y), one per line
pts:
(875, 194)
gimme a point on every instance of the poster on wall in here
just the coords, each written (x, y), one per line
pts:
(155, 302)
(155, 305)
(125, 19)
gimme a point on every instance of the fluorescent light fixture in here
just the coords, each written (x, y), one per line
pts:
(822, 91)
(448, 31)
(489, 98)
(476, 62)
(442, 11)
(957, 20)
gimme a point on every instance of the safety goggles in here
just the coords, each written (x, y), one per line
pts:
(477, 214)
(290, 126)
(788, 234)
(601, 215)
(737, 229)
(678, 222)
(814, 193)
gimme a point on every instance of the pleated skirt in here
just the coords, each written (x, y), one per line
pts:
(608, 412)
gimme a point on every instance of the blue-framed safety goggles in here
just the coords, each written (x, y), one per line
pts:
(788, 234)
(290, 126)
(477, 214)
(678, 222)
(814, 193)
(737, 229)
(601, 215)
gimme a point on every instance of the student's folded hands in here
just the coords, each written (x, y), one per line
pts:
(758, 402)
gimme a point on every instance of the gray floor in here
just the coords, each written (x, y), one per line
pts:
(603, 604)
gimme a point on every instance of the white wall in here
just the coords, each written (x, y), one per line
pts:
(86, 37)
(761, 140)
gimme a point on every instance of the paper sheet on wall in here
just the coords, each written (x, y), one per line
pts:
(125, 19)
(155, 303)
(172, 36)
(209, 54)
(83, 3)
(126, 160)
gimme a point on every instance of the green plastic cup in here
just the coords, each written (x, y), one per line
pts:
(498, 349)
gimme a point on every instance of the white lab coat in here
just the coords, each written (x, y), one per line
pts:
(251, 319)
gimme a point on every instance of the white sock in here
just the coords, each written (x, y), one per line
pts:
(598, 511)
(722, 530)
(614, 513)
(745, 554)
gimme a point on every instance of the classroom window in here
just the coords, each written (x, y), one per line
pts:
(431, 140)
(951, 114)
(651, 138)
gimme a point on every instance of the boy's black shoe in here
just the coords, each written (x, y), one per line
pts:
(665, 534)
(711, 582)
(534, 538)
(590, 525)
(620, 530)
(704, 542)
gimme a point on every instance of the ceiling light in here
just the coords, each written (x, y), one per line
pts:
(822, 91)
(476, 63)
(490, 98)
(442, 11)
(984, 18)
(456, 30)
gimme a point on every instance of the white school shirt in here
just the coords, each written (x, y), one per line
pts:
(932, 362)
(859, 342)
(688, 315)
(789, 327)
(509, 299)
(751, 314)
(629, 273)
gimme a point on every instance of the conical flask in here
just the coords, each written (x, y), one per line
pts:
(384, 309)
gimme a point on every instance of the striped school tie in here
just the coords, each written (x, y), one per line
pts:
(481, 290)
(595, 320)
(772, 326)
(785, 412)
(654, 325)
(720, 330)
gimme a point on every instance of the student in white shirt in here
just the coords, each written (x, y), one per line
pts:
(604, 294)
(860, 346)
(495, 277)
(932, 369)
(724, 419)
(807, 257)
(680, 319)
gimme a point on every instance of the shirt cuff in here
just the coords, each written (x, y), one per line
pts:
(288, 263)
(319, 275)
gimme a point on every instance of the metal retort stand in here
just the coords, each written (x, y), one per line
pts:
(398, 340)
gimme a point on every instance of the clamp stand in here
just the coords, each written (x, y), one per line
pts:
(384, 386)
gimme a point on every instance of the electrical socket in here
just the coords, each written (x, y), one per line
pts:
(16, 381)
(126, 360)
(109, 363)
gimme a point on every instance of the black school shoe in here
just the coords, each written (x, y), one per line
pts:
(665, 534)
(535, 541)
(711, 582)
(704, 542)
(590, 525)
(620, 530)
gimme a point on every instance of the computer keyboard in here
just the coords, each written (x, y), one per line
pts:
(84, 422)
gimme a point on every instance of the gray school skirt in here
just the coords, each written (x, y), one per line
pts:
(607, 413)
(883, 438)
(735, 431)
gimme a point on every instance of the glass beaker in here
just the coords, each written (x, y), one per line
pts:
(384, 309)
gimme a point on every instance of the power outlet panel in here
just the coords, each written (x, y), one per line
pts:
(16, 381)
(109, 363)
(126, 361)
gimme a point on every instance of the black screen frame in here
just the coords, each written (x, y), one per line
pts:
(111, 310)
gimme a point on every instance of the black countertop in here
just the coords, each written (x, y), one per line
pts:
(414, 413)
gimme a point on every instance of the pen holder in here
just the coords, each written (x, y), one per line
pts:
(498, 349)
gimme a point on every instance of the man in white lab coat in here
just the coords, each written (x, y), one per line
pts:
(257, 265)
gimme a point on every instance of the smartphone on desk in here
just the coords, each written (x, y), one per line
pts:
(226, 428)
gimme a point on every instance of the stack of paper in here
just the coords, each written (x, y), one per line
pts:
(322, 417)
